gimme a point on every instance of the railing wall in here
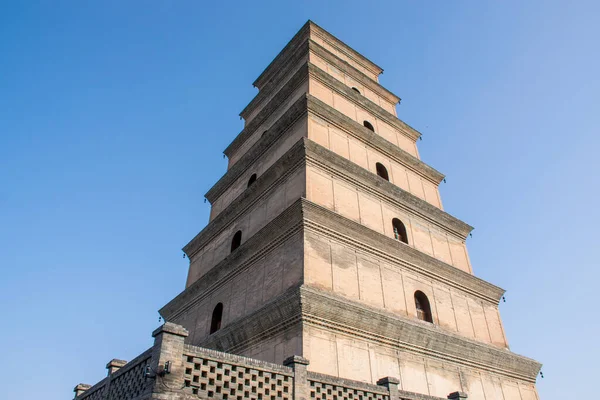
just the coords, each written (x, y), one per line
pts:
(172, 370)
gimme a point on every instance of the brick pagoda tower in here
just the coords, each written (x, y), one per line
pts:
(327, 239)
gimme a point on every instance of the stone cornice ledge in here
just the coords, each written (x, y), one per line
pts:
(323, 221)
(266, 77)
(272, 235)
(343, 65)
(316, 107)
(364, 102)
(340, 314)
(343, 47)
(358, 176)
(280, 314)
(276, 133)
(330, 114)
(302, 35)
(303, 305)
(302, 51)
(331, 224)
(273, 176)
(299, 77)
(287, 66)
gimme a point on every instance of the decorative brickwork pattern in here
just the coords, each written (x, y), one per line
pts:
(196, 372)
(220, 376)
(326, 391)
(128, 382)
(131, 381)
(96, 392)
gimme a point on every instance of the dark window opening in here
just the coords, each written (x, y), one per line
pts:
(252, 180)
(423, 307)
(217, 316)
(382, 171)
(356, 90)
(368, 125)
(236, 241)
(263, 134)
(399, 230)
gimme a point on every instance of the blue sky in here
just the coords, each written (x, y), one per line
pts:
(114, 116)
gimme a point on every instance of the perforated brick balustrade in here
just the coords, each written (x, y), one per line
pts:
(173, 370)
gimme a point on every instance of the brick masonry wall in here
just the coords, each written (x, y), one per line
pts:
(172, 370)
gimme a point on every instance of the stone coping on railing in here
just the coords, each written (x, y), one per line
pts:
(139, 359)
(367, 387)
(347, 383)
(190, 372)
(234, 359)
(404, 395)
(123, 370)
(92, 390)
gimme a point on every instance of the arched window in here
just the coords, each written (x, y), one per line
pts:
(252, 180)
(236, 241)
(356, 90)
(368, 125)
(399, 230)
(423, 307)
(382, 171)
(217, 316)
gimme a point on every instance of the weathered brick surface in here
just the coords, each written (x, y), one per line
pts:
(319, 272)
(197, 372)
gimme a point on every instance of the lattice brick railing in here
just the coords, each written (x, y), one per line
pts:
(173, 370)
(127, 383)
(96, 392)
(327, 387)
(130, 381)
(212, 374)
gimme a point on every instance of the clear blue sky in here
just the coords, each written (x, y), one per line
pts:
(114, 116)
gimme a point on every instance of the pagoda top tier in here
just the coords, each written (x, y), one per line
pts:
(314, 32)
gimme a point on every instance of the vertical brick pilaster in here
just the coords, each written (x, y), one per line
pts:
(391, 384)
(79, 389)
(299, 365)
(457, 396)
(168, 347)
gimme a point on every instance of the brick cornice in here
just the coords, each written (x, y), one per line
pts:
(333, 116)
(277, 132)
(363, 102)
(274, 176)
(337, 227)
(279, 62)
(344, 48)
(317, 108)
(307, 151)
(301, 36)
(357, 176)
(343, 66)
(275, 234)
(330, 161)
(308, 306)
(291, 62)
(299, 77)
(314, 218)
(286, 68)
(338, 314)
